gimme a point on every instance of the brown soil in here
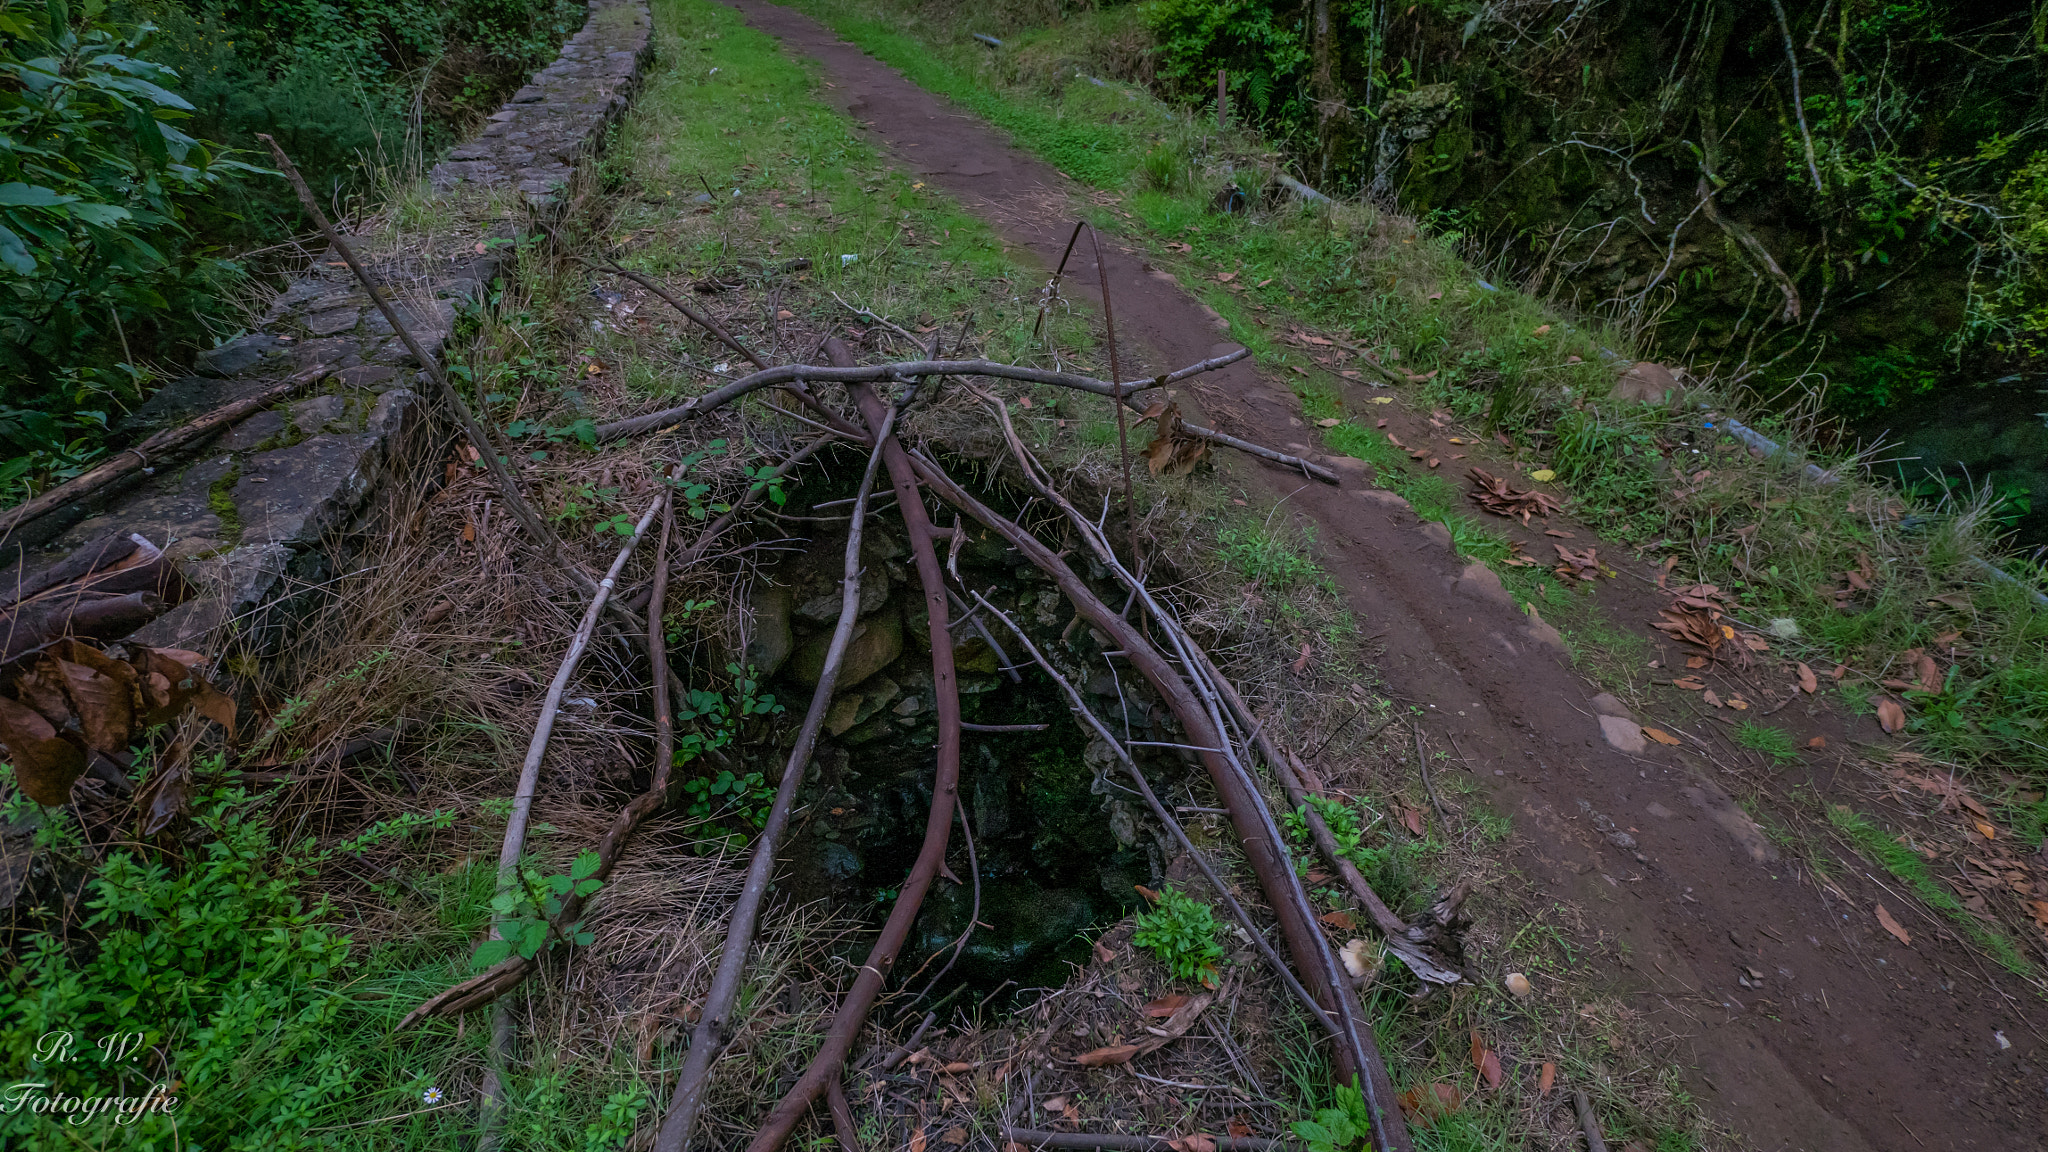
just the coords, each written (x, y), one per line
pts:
(1849, 1040)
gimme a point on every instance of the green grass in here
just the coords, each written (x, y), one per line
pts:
(1874, 844)
(1768, 739)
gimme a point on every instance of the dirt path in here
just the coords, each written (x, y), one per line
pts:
(1848, 1040)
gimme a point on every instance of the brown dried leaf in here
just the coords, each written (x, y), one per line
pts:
(1808, 682)
(1338, 920)
(1689, 683)
(1659, 735)
(1495, 495)
(1412, 819)
(1164, 1006)
(1192, 1142)
(104, 704)
(1105, 1057)
(1104, 953)
(1929, 673)
(955, 1136)
(1546, 1079)
(917, 1141)
(1485, 1060)
(1885, 921)
(1890, 716)
(45, 764)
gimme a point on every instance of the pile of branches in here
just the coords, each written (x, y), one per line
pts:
(1217, 726)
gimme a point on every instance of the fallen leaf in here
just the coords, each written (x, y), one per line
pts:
(1543, 475)
(958, 1136)
(1817, 742)
(1710, 698)
(1486, 1060)
(1689, 683)
(1929, 673)
(1382, 400)
(1104, 952)
(1237, 1128)
(1147, 893)
(1985, 830)
(1659, 735)
(1546, 1079)
(1300, 664)
(1496, 496)
(1840, 671)
(45, 764)
(917, 1139)
(1226, 277)
(1340, 920)
(1890, 716)
(1738, 703)
(1164, 1006)
(1412, 819)
(1105, 1057)
(1560, 535)
(1544, 330)
(1193, 1142)
(1808, 682)
(1424, 1104)
(1885, 921)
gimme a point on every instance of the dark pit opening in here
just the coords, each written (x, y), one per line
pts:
(1060, 839)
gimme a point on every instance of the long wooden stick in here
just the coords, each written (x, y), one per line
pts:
(530, 522)
(1034, 1138)
(1401, 937)
(908, 369)
(152, 451)
(1159, 810)
(715, 1023)
(544, 727)
(1248, 812)
(830, 1058)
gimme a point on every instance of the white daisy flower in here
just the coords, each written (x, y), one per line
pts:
(431, 1095)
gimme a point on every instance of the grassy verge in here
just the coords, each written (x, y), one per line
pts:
(1666, 480)
(1906, 866)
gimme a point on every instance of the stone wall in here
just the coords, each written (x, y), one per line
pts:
(256, 517)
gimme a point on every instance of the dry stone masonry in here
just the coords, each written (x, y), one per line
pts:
(256, 517)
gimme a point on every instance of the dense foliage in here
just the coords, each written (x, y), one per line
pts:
(1859, 186)
(119, 214)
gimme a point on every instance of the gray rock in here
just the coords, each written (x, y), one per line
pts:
(253, 431)
(333, 322)
(877, 641)
(295, 495)
(238, 356)
(314, 415)
(771, 641)
(1607, 705)
(1623, 733)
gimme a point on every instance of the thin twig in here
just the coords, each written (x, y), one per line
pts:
(1123, 439)
(1052, 287)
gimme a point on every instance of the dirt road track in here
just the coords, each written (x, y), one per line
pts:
(1849, 1041)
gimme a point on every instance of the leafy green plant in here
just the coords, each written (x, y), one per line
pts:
(1339, 1128)
(527, 911)
(1180, 932)
(215, 958)
(1262, 556)
(97, 182)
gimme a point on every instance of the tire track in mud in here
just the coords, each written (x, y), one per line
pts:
(1849, 1042)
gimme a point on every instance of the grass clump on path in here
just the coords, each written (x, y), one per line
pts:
(1908, 868)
